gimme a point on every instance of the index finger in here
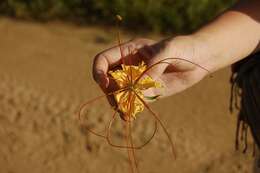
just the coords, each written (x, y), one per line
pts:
(112, 57)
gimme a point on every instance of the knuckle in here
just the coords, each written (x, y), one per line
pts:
(168, 44)
(97, 57)
(95, 66)
(135, 40)
(140, 40)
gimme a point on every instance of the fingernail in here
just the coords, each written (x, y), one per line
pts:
(106, 82)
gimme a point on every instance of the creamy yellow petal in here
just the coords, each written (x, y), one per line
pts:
(138, 104)
(147, 83)
(128, 103)
(120, 77)
(134, 71)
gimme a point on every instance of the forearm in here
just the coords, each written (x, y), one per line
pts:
(232, 36)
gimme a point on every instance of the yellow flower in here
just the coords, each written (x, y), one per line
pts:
(128, 103)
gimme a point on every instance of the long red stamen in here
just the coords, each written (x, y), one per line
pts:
(162, 62)
(160, 122)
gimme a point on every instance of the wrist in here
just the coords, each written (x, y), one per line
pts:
(195, 48)
(226, 45)
(206, 52)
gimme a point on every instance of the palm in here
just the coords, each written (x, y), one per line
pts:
(178, 73)
(175, 74)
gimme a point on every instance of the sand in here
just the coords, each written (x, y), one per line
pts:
(45, 74)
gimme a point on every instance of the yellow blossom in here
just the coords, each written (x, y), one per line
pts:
(128, 103)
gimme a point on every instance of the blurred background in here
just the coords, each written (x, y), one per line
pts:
(162, 15)
(46, 52)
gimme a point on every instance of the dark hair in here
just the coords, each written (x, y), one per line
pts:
(245, 87)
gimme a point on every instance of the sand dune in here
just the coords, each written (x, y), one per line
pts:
(45, 74)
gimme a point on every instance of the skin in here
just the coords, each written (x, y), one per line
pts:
(227, 39)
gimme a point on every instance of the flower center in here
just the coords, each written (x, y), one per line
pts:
(132, 87)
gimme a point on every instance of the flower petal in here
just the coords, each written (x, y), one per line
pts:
(128, 102)
(147, 83)
(120, 77)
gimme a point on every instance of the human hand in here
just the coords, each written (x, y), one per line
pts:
(182, 71)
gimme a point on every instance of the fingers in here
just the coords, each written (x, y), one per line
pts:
(115, 56)
(104, 60)
(153, 55)
(171, 84)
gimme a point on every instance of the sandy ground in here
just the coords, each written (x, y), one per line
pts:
(45, 73)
